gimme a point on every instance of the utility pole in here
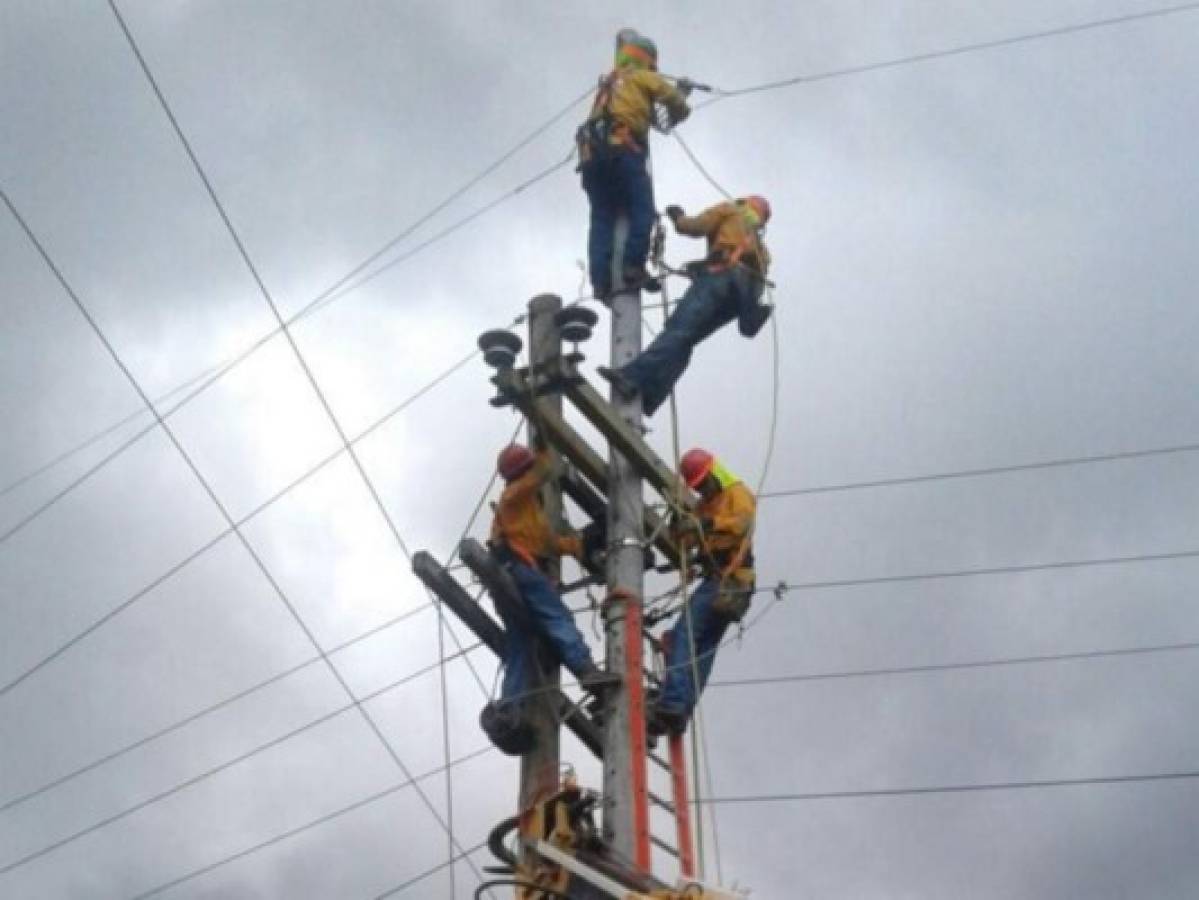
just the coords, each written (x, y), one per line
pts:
(539, 768)
(626, 812)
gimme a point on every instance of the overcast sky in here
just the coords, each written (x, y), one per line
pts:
(982, 260)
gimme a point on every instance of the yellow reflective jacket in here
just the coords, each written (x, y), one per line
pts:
(730, 233)
(520, 522)
(728, 517)
(629, 98)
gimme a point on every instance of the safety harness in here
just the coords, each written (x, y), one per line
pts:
(597, 136)
(727, 259)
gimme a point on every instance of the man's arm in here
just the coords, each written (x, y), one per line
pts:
(735, 518)
(705, 223)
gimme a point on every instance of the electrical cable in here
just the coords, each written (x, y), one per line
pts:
(221, 508)
(959, 50)
(1061, 462)
(956, 788)
(784, 587)
(293, 832)
(753, 682)
(958, 666)
(333, 420)
(328, 296)
(720, 94)
(546, 893)
(213, 542)
(432, 871)
(179, 724)
(213, 771)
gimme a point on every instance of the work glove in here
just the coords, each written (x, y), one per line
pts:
(674, 213)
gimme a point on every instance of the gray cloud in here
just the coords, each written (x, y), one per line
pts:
(981, 260)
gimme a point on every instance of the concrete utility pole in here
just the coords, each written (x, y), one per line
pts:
(539, 768)
(626, 813)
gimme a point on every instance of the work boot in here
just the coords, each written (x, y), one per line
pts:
(595, 680)
(663, 720)
(619, 380)
(634, 277)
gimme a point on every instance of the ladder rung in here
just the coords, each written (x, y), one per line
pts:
(658, 801)
(662, 845)
(662, 764)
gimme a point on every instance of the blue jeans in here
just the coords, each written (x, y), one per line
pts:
(711, 302)
(618, 183)
(551, 620)
(678, 687)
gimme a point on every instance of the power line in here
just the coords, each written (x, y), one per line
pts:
(216, 770)
(331, 294)
(948, 667)
(328, 817)
(333, 420)
(953, 788)
(208, 710)
(433, 871)
(326, 296)
(952, 51)
(190, 463)
(785, 587)
(262, 507)
(991, 470)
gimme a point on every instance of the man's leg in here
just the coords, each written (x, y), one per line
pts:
(637, 200)
(679, 692)
(519, 661)
(598, 186)
(705, 307)
(552, 618)
(708, 638)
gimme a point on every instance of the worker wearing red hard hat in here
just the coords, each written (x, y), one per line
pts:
(727, 285)
(721, 530)
(524, 542)
(613, 150)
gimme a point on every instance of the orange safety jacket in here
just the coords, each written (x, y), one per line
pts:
(733, 237)
(627, 96)
(520, 522)
(728, 517)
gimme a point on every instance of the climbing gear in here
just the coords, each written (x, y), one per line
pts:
(695, 466)
(594, 137)
(506, 726)
(514, 460)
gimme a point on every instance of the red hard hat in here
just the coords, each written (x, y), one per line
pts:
(760, 205)
(514, 460)
(695, 466)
